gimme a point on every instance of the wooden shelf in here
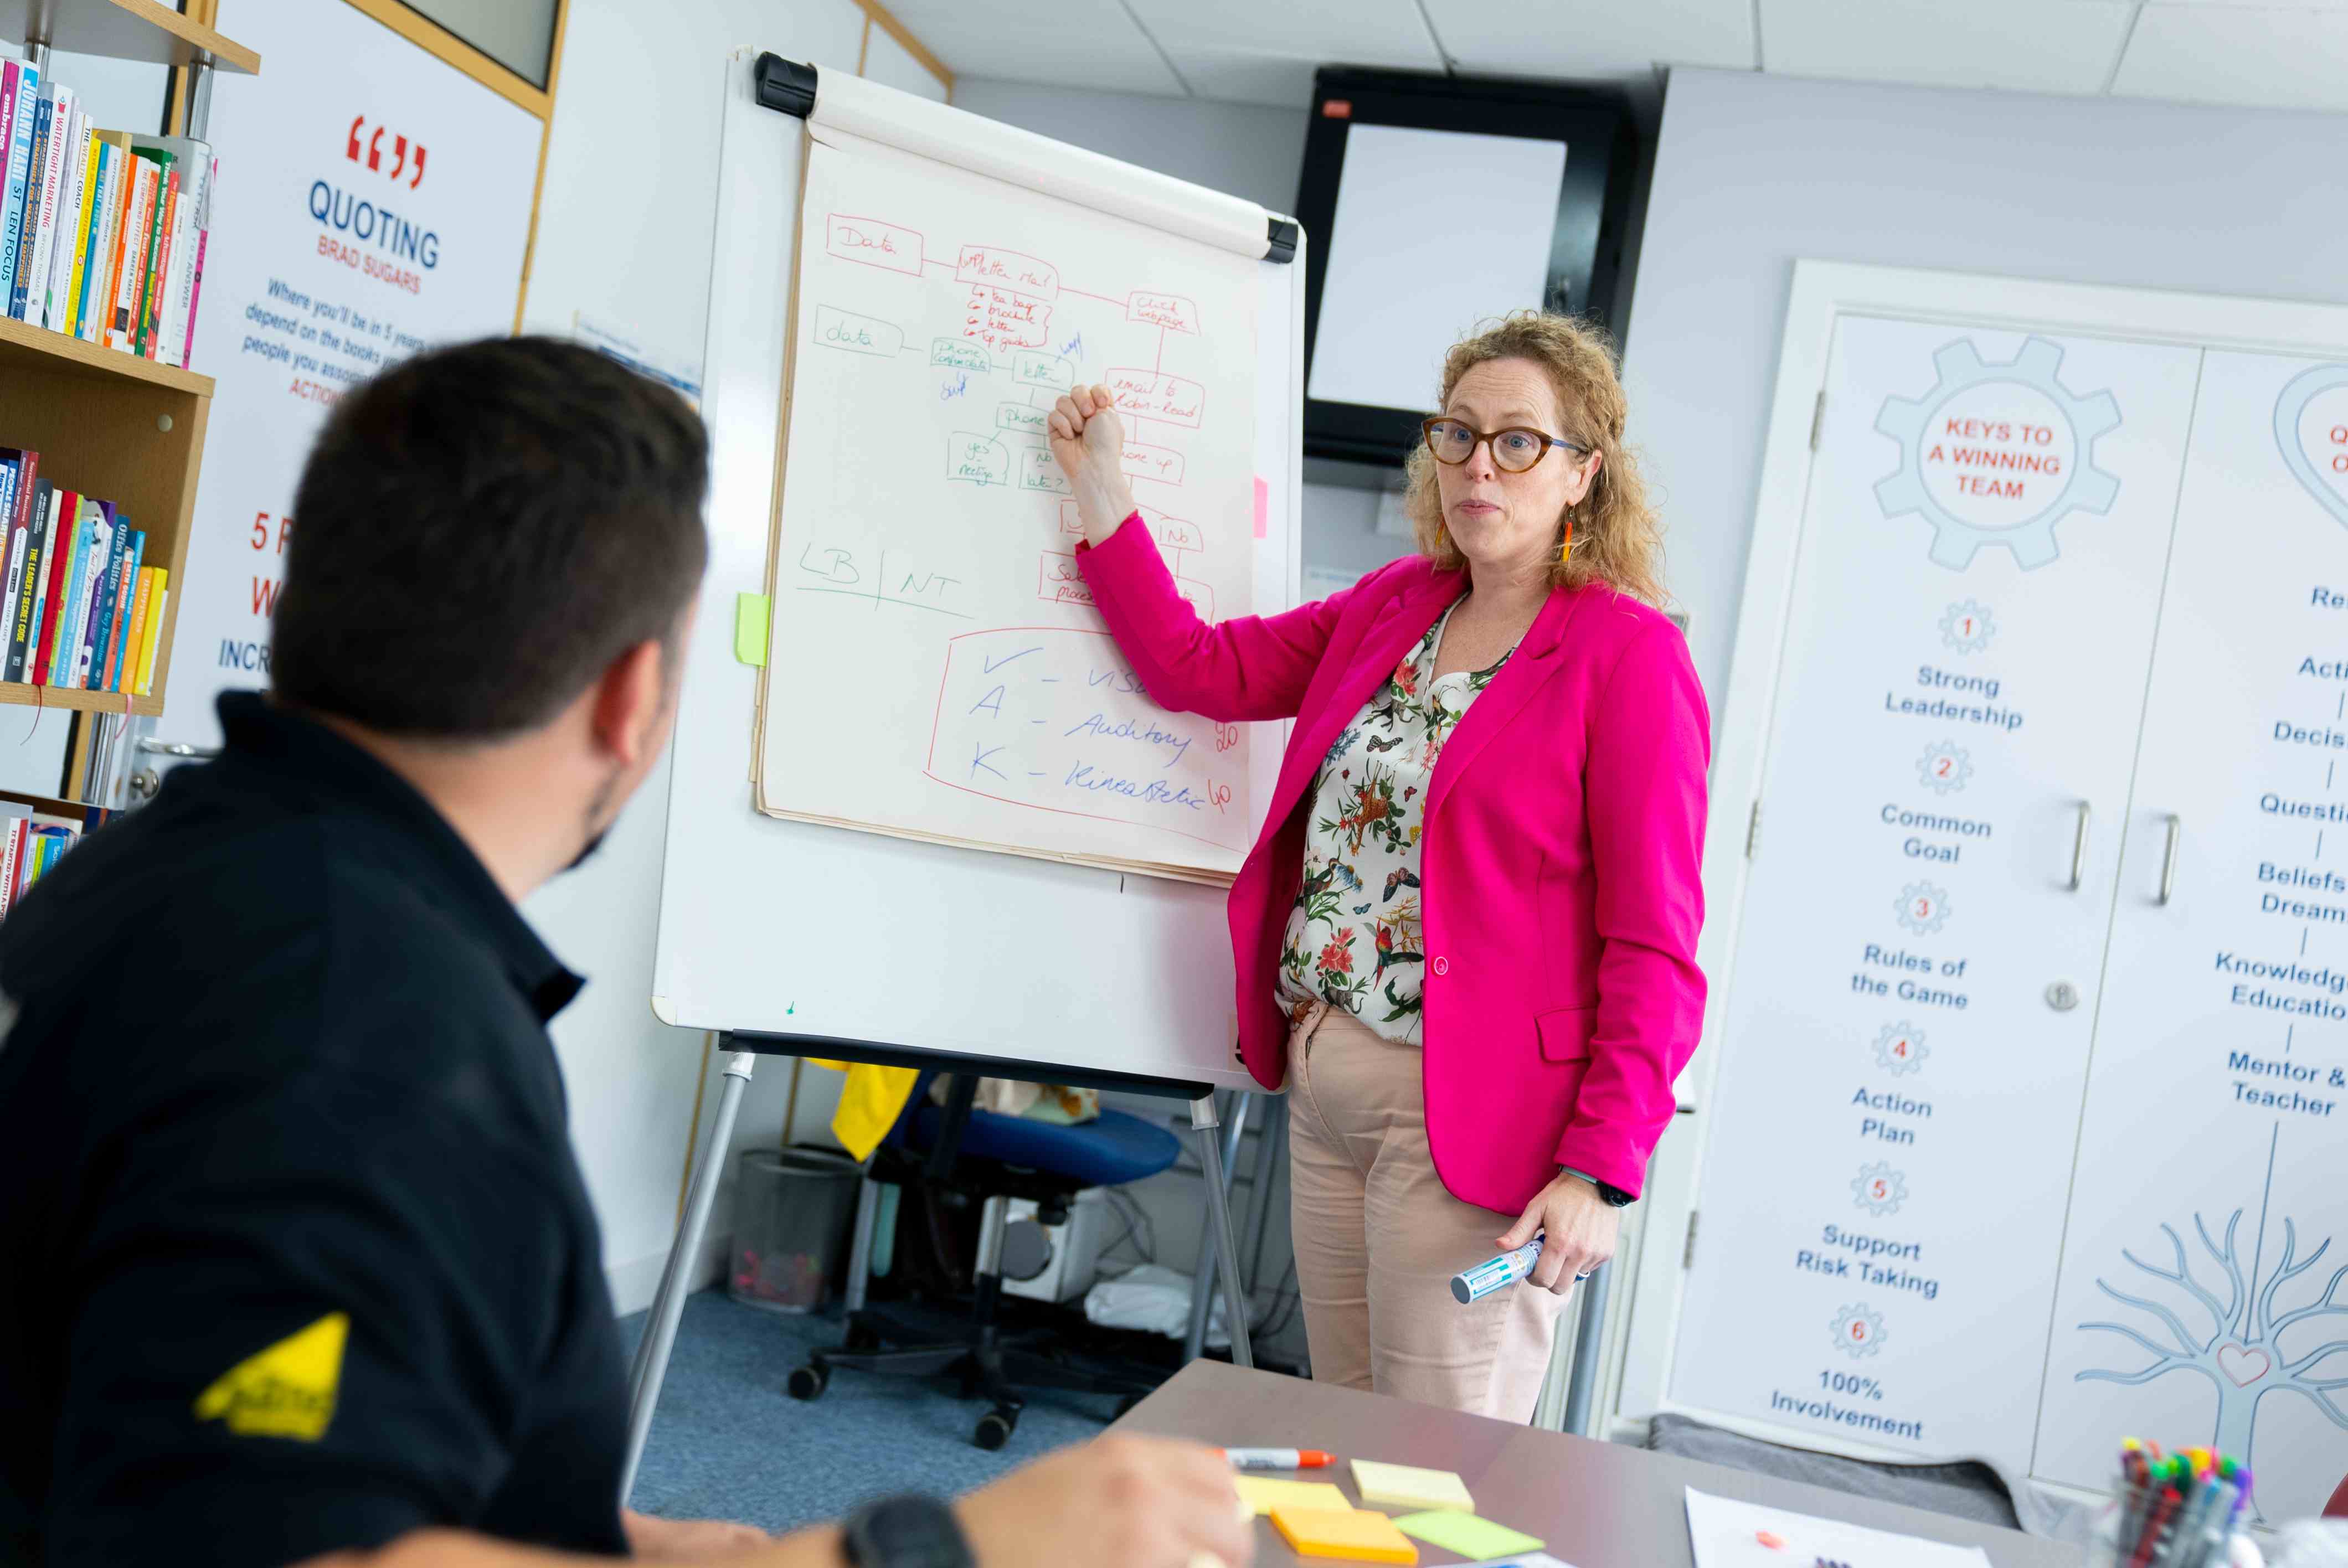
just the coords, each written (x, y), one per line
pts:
(123, 30)
(18, 695)
(30, 350)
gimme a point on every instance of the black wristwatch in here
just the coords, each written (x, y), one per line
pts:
(907, 1532)
(1615, 1196)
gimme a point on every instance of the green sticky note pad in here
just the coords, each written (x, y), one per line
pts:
(1465, 1533)
(750, 613)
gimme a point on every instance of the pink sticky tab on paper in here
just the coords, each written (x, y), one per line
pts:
(1262, 506)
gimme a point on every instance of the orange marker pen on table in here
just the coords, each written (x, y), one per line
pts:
(1279, 1459)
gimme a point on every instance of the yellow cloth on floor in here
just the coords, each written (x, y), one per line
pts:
(869, 1103)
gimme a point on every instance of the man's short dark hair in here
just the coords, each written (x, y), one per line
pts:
(480, 531)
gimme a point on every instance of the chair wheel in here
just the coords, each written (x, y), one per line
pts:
(810, 1381)
(994, 1429)
(861, 1338)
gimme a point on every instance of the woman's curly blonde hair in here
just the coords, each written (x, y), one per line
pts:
(1617, 538)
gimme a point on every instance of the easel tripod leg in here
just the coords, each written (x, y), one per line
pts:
(1219, 1253)
(668, 1303)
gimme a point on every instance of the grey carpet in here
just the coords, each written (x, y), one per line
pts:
(728, 1441)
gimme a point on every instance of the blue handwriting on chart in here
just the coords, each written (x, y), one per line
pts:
(1074, 348)
(955, 387)
(1156, 791)
(1143, 730)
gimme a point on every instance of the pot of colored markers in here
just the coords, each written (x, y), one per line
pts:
(2184, 1510)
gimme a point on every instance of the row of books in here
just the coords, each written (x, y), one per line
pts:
(30, 844)
(102, 232)
(84, 612)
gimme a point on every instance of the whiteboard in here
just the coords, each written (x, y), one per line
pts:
(926, 538)
(790, 928)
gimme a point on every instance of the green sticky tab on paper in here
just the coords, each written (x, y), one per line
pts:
(1465, 1534)
(751, 612)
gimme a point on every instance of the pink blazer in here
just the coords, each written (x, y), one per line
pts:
(1560, 883)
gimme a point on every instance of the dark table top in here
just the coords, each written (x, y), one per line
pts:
(1597, 1505)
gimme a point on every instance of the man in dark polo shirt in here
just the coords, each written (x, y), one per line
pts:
(296, 1264)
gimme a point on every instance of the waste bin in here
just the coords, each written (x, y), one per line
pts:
(793, 1211)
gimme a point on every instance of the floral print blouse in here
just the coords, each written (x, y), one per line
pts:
(1353, 938)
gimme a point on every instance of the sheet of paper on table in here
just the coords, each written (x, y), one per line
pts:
(1726, 1534)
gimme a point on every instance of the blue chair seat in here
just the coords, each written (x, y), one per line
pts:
(1116, 1148)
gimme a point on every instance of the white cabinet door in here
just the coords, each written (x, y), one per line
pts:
(1982, 544)
(2204, 1295)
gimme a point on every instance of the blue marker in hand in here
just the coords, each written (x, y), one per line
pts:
(1494, 1273)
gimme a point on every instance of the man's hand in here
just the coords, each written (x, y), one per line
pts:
(1116, 1502)
(689, 1539)
(1581, 1230)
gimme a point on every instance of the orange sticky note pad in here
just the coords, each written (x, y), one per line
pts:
(1355, 1534)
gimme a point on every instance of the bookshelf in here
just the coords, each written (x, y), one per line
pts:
(108, 423)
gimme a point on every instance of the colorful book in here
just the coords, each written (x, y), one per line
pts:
(119, 667)
(167, 165)
(12, 850)
(87, 262)
(67, 222)
(63, 507)
(166, 232)
(138, 235)
(93, 585)
(22, 607)
(20, 91)
(56, 150)
(109, 244)
(64, 578)
(9, 466)
(155, 622)
(20, 572)
(134, 631)
(193, 220)
(28, 236)
(106, 598)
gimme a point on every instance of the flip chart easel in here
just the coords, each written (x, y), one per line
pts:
(794, 938)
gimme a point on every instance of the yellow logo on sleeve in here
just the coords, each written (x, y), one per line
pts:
(286, 1391)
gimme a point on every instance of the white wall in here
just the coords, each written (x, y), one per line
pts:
(1754, 171)
(625, 229)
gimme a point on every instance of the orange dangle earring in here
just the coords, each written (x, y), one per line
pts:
(1566, 554)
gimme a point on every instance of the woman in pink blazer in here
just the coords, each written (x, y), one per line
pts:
(1466, 938)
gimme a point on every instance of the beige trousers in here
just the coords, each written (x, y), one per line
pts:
(1378, 1237)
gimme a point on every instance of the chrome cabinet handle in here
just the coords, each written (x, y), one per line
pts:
(2079, 849)
(2169, 859)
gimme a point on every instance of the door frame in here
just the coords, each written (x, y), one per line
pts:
(1645, 1326)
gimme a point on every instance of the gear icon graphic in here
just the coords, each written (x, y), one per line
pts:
(1879, 1189)
(1859, 1331)
(1908, 421)
(1899, 1049)
(1944, 767)
(1968, 626)
(1922, 907)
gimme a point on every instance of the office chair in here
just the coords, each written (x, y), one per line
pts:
(995, 1159)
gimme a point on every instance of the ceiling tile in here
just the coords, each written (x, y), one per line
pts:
(2222, 54)
(1091, 44)
(1280, 80)
(1581, 40)
(1352, 32)
(2027, 45)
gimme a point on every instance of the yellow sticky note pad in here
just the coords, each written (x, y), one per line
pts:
(1355, 1534)
(1261, 1494)
(1408, 1486)
(1465, 1534)
(750, 613)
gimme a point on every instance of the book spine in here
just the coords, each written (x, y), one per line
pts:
(19, 541)
(134, 632)
(69, 224)
(101, 238)
(53, 188)
(151, 304)
(119, 663)
(93, 220)
(195, 217)
(196, 288)
(117, 220)
(22, 608)
(62, 507)
(12, 850)
(93, 582)
(63, 582)
(9, 466)
(28, 239)
(155, 622)
(20, 84)
(111, 604)
(137, 225)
